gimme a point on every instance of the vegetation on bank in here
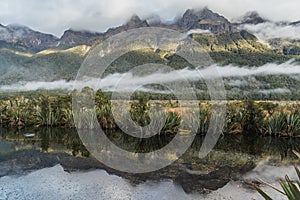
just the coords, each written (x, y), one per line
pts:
(242, 117)
(290, 188)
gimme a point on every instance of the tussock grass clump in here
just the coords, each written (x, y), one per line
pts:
(243, 117)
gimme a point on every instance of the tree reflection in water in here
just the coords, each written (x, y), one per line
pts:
(66, 139)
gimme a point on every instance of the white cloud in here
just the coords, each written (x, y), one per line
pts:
(197, 31)
(276, 90)
(236, 83)
(271, 30)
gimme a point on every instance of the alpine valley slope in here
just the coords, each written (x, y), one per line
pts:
(27, 55)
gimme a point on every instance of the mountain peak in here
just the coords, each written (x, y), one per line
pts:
(79, 32)
(204, 19)
(252, 17)
(135, 18)
(135, 21)
(204, 14)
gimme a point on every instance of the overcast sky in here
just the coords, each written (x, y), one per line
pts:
(55, 16)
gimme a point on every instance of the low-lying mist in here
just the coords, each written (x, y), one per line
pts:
(233, 76)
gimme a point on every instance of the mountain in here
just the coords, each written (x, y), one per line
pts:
(239, 48)
(47, 65)
(282, 33)
(204, 19)
(252, 18)
(134, 22)
(192, 19)
(286, 46)
(73, 38)
(27, 55)
(25, 39)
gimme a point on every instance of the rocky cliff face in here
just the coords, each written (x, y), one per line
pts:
(134, 22)
(73, 38)
(204, 19)
(252, 18)
(24, 38)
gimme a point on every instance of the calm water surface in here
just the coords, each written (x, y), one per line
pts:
(26, 150)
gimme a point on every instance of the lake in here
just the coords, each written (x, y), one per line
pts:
(59, 153)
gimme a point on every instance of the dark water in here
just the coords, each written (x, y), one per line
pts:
(233, 155)
(49, 140)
